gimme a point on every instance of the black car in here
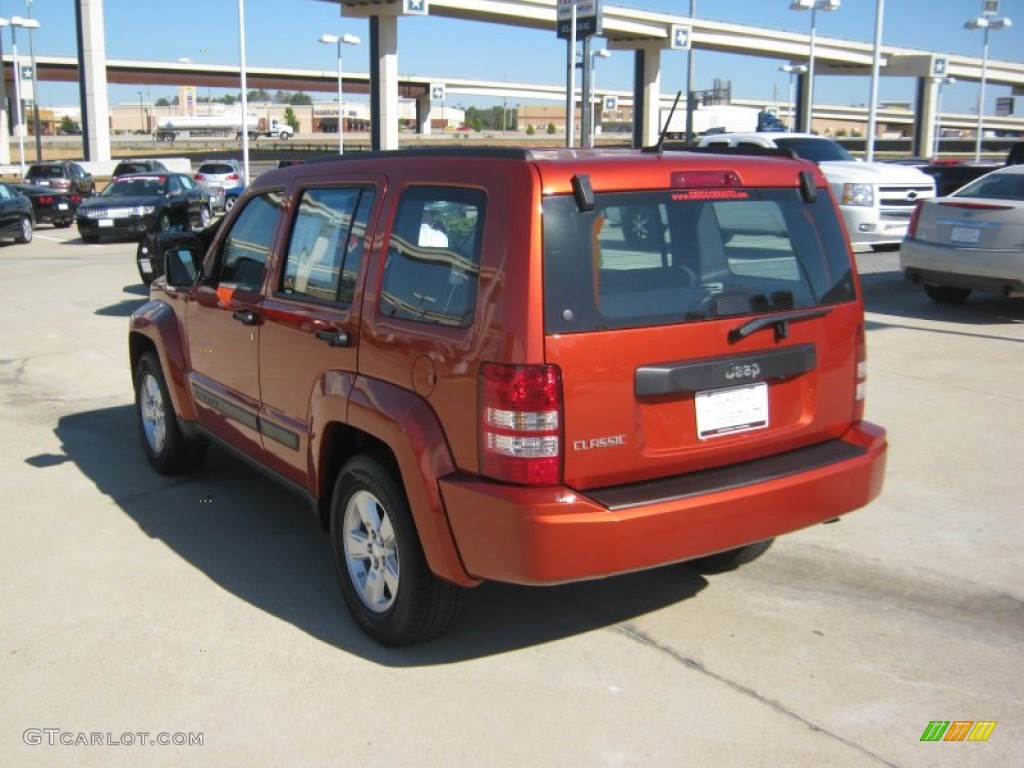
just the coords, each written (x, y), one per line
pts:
(50, 206)
(132, 205)
(16, 217)
(139, 166)
(62, 176)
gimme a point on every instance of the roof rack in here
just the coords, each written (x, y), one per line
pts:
(724, 150)
(500, 153)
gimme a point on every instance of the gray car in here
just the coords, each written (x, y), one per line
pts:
(217, 176)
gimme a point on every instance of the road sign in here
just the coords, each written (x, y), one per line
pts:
(589, 18)
(989, 7)
(611, 103)
(680, 37)
(416, 7)
(939, 65)
(437, 91)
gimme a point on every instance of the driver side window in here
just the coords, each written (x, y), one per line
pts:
(243, 254)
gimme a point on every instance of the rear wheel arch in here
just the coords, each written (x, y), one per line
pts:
(400, 430)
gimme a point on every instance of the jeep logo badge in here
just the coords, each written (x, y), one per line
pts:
(743, 371)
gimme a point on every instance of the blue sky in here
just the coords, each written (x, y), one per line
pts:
(284, 33)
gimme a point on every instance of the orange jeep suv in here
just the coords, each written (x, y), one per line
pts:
(472, 374)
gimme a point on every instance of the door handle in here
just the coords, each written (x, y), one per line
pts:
(333, 338)
(246, 317)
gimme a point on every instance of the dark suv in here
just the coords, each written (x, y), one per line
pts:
(62, 176)
(472, 374)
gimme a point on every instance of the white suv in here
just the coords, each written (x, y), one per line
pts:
(876, 198)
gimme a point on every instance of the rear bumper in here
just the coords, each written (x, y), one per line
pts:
(972, 268)
(553, 535)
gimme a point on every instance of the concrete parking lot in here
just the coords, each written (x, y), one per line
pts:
(207, 606)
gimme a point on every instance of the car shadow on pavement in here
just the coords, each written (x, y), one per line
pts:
(260, 542)
(123, 308)
(899, 297)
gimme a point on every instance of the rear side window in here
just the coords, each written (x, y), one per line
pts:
(654, 258)
(243, 254)
(433, 263)
(326, 246)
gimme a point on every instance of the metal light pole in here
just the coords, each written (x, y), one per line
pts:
(985, 23)
(340, 40)
(603, 53)
(876, 66)
(35, 83)
(15, 22)
(792, 70)
(5, 144)
(142, 118)
(813, 6)
(689, 81)
(938, 113)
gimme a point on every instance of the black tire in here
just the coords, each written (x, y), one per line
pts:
(731, 558)
(947, 294)
(641, 226)
(205, 217)
(25, 230)
(229, 202)
(167, 450)
(384, 577)
(284, 135)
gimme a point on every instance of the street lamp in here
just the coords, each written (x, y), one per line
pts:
(984, 23)
(813, 6)
(340, 40)
(602, 53)
(142, 118)
(14, 22)
(35, 84)
(938, 113)
(792, 70)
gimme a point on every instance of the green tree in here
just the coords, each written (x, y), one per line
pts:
(162, 102)
(258, 95)
(551, 129)
(229, 99)
(67, 125)
(530, 131)
(291, 119)
(300, 98)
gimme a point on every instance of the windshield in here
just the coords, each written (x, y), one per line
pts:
(148, 185)
(815, 150)
(653, 258)
(997, 186)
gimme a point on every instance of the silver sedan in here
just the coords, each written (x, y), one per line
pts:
(972, 240)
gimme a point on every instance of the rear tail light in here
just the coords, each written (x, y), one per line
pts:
(45, 200)
(860, 356)
(232, 177)
(914, 217)
(521, 423)
(75, 198)
(200, 177)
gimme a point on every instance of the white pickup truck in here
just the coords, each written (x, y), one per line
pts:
(876, 199)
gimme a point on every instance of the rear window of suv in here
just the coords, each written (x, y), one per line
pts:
(45, 172)
(756, 252)
(216, 169)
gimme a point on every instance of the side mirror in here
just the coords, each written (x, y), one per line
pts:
(179, 257)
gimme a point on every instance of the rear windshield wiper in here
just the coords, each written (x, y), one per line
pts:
(779, 322)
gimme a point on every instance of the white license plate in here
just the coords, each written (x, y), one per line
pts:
(62, 206)
(105, 222)
(968, 235)
(727, 411)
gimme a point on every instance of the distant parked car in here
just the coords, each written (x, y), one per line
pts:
(49, 205)
(139, 166)
(220, 174)
(63, 176)
(16, 217)
(130, 206)
(969, 241)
